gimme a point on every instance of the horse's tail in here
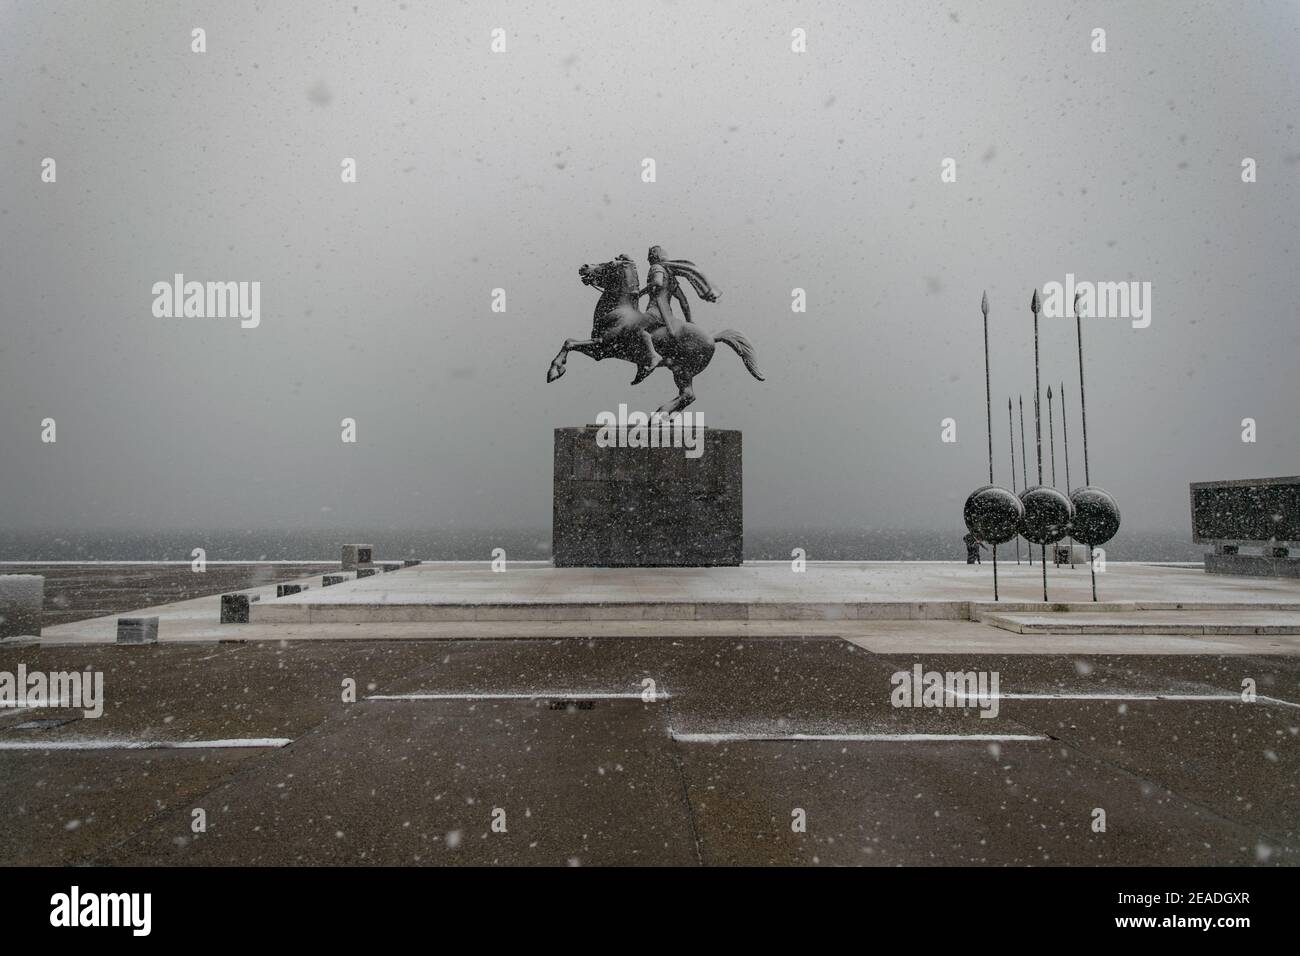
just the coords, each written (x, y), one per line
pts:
(742, 348)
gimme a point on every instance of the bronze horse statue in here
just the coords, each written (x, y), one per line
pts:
(619, 329)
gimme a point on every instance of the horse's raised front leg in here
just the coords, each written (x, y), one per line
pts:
(585, 346)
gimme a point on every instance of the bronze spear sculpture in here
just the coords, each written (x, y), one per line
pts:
(1051, 445)
(991, 513)
(1047, 511)
(988, 416)
(1024, 472)
(1096, 515)
(988, 409)
(1035, 306)
(1011, 434)
(1065, 437)
(1051, 434)
(1083, 401)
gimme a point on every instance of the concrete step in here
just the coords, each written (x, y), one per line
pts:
(1179, 623)
(323, 611)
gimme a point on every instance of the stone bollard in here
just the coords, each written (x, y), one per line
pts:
(282, 589)
(137, 630)
(365, 572)
(357, 555)
(234, 608)
(391, 566)
(329, 580)
(22, 597)
(410, 562)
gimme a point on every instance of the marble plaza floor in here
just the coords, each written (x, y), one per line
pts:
(865, 600)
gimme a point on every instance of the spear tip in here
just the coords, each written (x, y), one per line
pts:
(984, 304)
(1049, 393)
(1034, 303)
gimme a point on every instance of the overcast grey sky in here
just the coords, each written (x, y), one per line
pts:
(775, 170)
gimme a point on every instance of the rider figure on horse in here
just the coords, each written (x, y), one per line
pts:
(662, 287)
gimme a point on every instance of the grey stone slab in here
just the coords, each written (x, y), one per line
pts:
(1249, 509)
(234, 608)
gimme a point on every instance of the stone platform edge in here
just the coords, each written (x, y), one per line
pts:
(354, 612)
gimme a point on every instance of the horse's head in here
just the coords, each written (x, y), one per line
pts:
(617, 275)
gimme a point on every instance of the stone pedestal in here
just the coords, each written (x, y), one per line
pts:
(646, 507)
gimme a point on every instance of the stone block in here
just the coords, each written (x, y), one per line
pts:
(356, 555)
(137, 630)
(234, 608)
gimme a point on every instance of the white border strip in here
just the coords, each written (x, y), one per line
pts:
(229, 744)
(145, 562)
(725, 738)
(1221, 698)
(527, 695)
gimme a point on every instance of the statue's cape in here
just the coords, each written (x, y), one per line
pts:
(688, 270)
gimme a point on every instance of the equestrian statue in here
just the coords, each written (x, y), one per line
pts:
(655, 337)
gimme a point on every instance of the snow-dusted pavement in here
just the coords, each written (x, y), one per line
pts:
(710, 763)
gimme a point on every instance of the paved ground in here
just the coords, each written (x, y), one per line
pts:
(744, 732)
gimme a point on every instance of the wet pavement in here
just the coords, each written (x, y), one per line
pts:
(558, 752)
